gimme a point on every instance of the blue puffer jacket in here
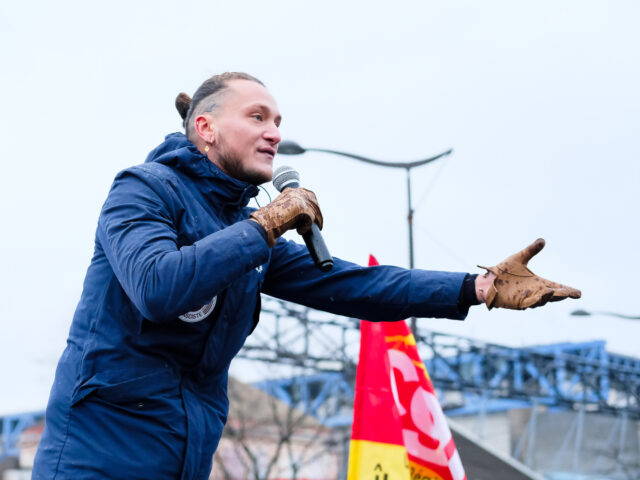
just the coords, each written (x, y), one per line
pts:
(172, 292)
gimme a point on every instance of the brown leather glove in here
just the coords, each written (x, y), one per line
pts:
(517, 287)
(294, 208)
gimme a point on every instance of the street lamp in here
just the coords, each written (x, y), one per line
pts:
(585, 313)
(288, 147)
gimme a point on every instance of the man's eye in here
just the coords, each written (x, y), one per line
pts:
(257, 116)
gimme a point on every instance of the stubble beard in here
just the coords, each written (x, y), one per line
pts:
(233, 166)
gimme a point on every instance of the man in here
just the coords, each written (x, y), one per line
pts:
(174, 286)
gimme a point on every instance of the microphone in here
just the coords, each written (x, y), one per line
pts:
(287, 177)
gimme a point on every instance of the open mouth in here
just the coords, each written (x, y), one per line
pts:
(268, 150)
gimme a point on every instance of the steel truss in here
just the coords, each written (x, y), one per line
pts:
(12, 427)
(482, 377)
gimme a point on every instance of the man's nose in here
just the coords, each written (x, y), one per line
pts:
(273, 135)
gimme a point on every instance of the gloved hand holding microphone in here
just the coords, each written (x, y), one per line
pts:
(295, 207)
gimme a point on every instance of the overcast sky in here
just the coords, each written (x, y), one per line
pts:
(539, 101)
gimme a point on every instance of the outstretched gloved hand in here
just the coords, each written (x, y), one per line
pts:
(293, 208)
(516, 287)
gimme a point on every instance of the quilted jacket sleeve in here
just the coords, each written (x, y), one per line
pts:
(383, 293)
(137, 233)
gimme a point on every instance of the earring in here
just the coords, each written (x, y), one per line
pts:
(206, 148)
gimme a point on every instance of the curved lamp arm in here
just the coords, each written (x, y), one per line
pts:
(287, 147)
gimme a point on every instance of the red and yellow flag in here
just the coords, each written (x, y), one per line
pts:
(399, 430)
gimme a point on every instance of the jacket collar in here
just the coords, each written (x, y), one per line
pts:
(178, 152)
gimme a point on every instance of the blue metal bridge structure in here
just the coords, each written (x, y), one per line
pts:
(471, 377)
(565, 375)
(486, 377)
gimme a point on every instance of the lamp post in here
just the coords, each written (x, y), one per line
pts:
(585, 313)
(288, 147)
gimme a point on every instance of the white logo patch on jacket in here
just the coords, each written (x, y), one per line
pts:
(200, 314)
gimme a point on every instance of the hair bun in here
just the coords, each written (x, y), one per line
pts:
(183, 102)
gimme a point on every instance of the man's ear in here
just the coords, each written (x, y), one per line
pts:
(204, 127)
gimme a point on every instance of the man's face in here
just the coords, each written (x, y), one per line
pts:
(246, 132)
